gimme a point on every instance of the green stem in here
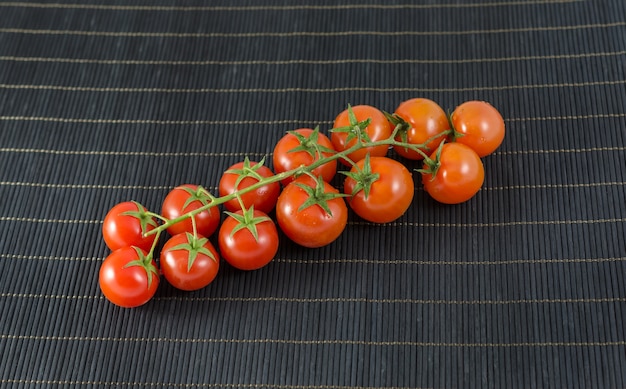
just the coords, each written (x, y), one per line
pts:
(391, 141)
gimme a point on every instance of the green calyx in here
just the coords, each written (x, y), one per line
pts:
(247, 170)
(247, 220)
(364, 177)
(310, 144)
(145, 218)
(355, 129)
(194, 246)
(145, 262)
(318, 195)
(199, 194)
(432, 165)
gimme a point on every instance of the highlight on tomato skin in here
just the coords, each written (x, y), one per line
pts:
(186, 198)
(364, 123)
(381, 189)
(128, 277)
(189, 262)
(248, 242)
(311, 226)
(456, 176)
(479, 125)
(421, 121)
(125, 224)
(242, 175)
(302, 147)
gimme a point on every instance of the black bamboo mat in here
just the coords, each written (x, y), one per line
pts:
(103, 101)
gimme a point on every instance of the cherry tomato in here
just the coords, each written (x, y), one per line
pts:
(422, 120)
(480, 126)
(458, 176)
(381, 189)
(356, 123)
(184, 199)
(248, 240)
(128, 278)
(303, 147)
(311, 212)
(242, 175)
(125, 225)
(188, 262)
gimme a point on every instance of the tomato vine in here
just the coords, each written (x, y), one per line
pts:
(308, 210)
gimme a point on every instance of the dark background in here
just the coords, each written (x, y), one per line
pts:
(103, 101)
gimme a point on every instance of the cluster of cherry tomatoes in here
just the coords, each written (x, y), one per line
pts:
(299, 195)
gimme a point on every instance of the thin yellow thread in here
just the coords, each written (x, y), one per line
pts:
(336, 300)
(389, 262)
(307, 61)
(145, 34)
(280, 8)
(312, 342)
(67, 88)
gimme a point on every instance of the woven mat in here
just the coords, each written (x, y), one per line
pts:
(103, 101)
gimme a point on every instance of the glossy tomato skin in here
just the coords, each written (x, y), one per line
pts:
(285, 160)
(174, 262)
(241, 250)
(426, 119)
(481, 125)
(123, 285)
(263, 198)
(173, 206)
(459, 177)
(378, 129)
(313, 226)
(122, 227)
(389, 196)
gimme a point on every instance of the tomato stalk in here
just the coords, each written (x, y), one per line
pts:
(216, 201)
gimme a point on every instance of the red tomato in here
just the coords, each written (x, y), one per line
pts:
(458, 175)
(366, 121)
(125, 225)
(189, 263)
(128, 278)
(422, 120)
(306, 222)
(184, 199)
(381, 189)
(303, 147)
(481, 126)
(248, 241)
(263, 199)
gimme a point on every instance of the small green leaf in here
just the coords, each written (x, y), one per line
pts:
(248, 221)
(145, 262)
(318, 196)
(194, 246)
(355, 129)
(143, 216)
(199, 194)
(364, 177)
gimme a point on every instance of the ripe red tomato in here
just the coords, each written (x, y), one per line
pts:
(364, 120)
(125, 225)
(248, 240)
(481, 126)
(128, 278)
(458, 174)
(306, 222)
(381, 189)
(188, 262)
(263, 199)
(422, 120)
(184, 199)
(303, 147)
